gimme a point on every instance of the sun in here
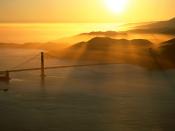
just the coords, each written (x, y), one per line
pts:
(116, 6)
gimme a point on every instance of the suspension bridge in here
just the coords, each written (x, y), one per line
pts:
(5, 74)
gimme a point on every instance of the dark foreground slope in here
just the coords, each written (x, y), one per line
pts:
(166, 52)
(167, 48)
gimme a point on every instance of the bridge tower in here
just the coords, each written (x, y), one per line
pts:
(42, 65)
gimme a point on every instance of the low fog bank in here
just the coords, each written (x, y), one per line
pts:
(151, 46)
(110, 47)
(140, 52)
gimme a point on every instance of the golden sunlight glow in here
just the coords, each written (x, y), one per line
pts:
(117, 6)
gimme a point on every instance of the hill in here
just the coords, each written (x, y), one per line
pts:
(102, 43)
(162, 27)
(104, 34)
(105, 50)
(167, 49)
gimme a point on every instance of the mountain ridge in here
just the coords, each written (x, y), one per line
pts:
(162, 27)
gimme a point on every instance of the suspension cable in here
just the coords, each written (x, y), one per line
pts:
(26, 61)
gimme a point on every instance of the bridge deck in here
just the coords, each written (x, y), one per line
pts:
(58, 67)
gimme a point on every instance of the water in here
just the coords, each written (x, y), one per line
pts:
(102, 98)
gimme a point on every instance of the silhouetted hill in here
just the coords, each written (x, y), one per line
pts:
(104, 49)
(167, 49)
(104, 34)
(161, 24)
(141, 42)
(168, 44)
(102, 43)
(163, 27)
(9, 45)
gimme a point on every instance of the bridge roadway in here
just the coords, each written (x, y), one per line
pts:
(58, 67)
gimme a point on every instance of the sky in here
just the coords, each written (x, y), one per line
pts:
(84, 11)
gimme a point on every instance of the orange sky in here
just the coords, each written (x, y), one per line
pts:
(83, 11)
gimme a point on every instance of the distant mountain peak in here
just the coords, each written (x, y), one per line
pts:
(100, 38)
(161, 27)
(167, 49)
(103, 43)
(172, 40)
(106, 41)
(103, 33)
(169, 42)
(173, 19)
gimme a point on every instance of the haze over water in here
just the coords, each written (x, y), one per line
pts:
(117, 75)
(44, 32)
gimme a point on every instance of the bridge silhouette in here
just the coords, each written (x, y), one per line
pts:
(5, 74)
